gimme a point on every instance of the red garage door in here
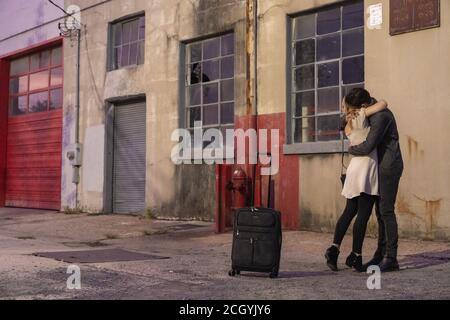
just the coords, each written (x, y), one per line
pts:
(33, 168)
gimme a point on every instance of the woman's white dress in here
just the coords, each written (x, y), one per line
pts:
(362, 172)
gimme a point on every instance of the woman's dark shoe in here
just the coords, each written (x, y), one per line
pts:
(331, 255)
(355, 262)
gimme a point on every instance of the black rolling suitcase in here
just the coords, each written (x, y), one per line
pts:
(256, 239)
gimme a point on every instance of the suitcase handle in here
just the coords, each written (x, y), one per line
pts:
(269, 194)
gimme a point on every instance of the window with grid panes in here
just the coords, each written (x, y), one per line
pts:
(209, 82)
(128, 42)
(36, 82)
(327, 62)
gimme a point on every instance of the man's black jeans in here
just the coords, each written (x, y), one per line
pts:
(385, 211)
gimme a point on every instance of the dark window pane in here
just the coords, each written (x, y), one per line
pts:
(328, 128)
(194, 114)
(353, 15)
(211, 48)
(45, 59)
(347, 89)
(34, 62)
(126, 30)
(353, 70)
(56, 56)
(38, 101)
(125, 55)
(305, 104)
(56, 76)
(18, 85)
(353, 42)
(329, 21)
(210, 115)
(210, 70)
(56, 98)
(228, 44)
(141, 52)
(195, 95)
(227, 68)
(19, 66)
(305, 51)
(134, 25)
(210, 93)
(305, 27)
(17, 105)
(39, 80)
(328, 100)
(196, 52)
(328, 74)
(227, 90)
(133, 53)
(117, 34)
(304, 130)
(227, 113)
(142, 28)
(14, 85)
(196, 73)
(329, 47)
(304, 78)
(117, 57)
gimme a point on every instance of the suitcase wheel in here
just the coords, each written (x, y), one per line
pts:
(232, 273)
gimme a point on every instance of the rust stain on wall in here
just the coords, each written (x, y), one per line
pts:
(432, 208)
(413, 146)
(404, 208)
(249, 48)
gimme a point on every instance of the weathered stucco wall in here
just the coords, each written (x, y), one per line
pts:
(408, 70)
(175, 191)
(411, 72)
(32, 23)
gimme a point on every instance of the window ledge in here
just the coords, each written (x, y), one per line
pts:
(315, 147)
(129, 67)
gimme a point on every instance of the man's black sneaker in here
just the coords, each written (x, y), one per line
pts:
(376, 260)
(389, 264)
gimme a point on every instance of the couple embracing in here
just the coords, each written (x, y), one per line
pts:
(372, 179)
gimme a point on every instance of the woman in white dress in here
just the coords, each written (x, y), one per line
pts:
(361, 183)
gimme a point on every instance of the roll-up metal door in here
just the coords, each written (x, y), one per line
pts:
(129, 158)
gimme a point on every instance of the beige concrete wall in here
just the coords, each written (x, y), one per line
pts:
(411, 72)
(168, 23)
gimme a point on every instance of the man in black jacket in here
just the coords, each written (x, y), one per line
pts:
(384, 136)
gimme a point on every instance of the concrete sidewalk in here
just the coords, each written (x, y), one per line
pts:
(196, 262)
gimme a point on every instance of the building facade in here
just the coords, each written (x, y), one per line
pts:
(150, 67)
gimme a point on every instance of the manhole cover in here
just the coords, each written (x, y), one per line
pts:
(97, 256)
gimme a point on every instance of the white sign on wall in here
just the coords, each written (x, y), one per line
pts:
(375, 19)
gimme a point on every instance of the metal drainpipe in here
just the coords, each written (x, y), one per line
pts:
(76, 169)
(255, 55)
(251, 74)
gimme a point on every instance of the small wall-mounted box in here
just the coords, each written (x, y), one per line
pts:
(74, 155)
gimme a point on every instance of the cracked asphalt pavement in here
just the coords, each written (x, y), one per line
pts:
(197, 262)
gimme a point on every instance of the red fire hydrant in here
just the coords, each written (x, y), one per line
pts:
(240, 188)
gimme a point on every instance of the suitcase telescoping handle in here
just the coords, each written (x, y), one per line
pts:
(270, 181)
